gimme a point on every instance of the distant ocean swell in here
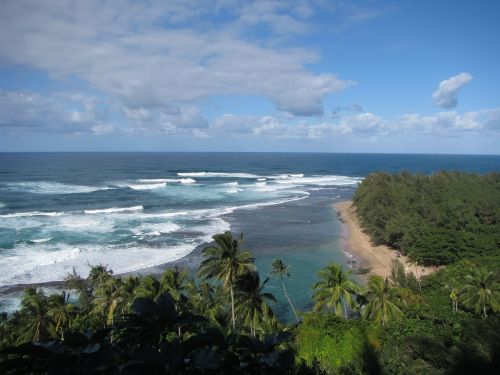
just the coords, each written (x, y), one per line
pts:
(42, 246)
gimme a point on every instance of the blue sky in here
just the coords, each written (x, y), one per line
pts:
(220, 75)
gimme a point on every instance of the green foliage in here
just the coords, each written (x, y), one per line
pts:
(338, 345)
(170, 324)
(335, 290)
(384, 302)
(435, 219)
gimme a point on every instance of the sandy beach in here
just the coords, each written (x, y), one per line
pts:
(376, 258)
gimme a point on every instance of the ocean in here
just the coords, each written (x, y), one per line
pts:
(140, 212)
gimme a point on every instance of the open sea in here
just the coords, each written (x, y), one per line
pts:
(140, 212)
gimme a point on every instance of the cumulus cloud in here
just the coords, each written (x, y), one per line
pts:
(30, 111)
(155, 53)
(257, 125)
(446, 96)
(362, 125)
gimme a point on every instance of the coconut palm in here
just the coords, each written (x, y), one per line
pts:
(280, 270)
(335, 290)
(113, 297)
(383, 301)
(99, 275)
(33, 315)
(252, 300)
(481, 292)
(149, 287)
(60, 311)
(226, 262)
(74, 282)
(177, 283)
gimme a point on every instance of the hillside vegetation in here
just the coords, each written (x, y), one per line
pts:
(435, 219)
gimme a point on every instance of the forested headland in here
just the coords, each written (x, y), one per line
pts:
(434, 219)
(222, 321)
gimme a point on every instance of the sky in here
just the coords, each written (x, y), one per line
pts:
(226, 75)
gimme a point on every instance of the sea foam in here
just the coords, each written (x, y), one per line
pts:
(217, 174)
(48, 187)
(114, 210)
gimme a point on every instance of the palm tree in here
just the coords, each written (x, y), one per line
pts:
(383, 301)
(226, 262)
(252, 300)
(60, 311)
(99, 275)
(334, 290)
(149, 287)
(280, 269)
(454, 292)
(73, 281)
(112, 297)
(33, 315)
(481, 291)
(177, 283)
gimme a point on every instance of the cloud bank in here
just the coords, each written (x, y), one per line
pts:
(156, 53)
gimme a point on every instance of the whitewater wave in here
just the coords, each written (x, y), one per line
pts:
(114, 210)
(286, 175)
(41, 240)
(46, 187)
(217, 174)
(185, 181)
(30, 214)
(155, 229)
(2, 205)
(44, 262)
(331, 180)
(149, 186)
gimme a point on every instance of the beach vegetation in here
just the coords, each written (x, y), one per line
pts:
(434, 219)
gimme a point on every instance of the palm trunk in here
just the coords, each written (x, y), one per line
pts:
(418, 279)
(290, 302)
(345, 308)
(37, 332)
(58, 325)
(232, 307)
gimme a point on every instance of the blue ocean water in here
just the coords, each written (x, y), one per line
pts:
(138, 211)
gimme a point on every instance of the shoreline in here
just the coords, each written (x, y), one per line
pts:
(376, 258)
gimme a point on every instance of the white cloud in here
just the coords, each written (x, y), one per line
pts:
(30, 111)
(446, 94)
(361, 126)
(363, 123)
(146, 55)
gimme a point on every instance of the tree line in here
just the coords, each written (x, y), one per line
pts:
(435, 219)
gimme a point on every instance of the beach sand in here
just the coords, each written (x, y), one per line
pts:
(376, 258)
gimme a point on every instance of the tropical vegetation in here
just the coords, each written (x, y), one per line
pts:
(434, 219)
